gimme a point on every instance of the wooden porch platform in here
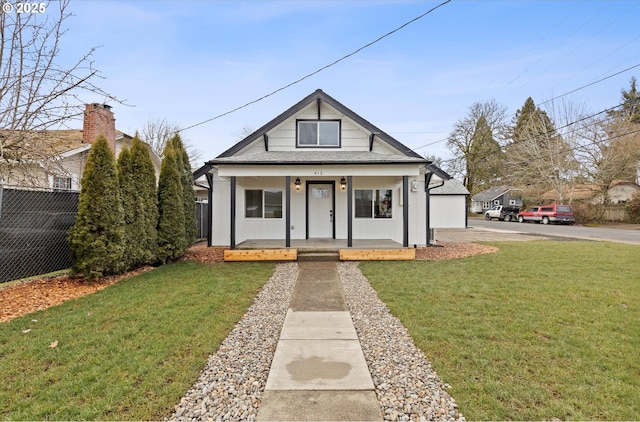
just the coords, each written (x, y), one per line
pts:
(362, 250)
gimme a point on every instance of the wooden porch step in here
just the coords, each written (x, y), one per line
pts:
(318, 256)
(260, 254)
(377, 254)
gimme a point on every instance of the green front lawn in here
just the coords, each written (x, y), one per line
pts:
(539, 330)
(129, 352)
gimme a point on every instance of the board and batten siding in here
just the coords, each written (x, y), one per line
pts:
(283, 136)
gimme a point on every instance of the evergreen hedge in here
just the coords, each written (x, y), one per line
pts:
(96, 238)
(188, 194)
(134, 212)
(145, 176)
(172, 241)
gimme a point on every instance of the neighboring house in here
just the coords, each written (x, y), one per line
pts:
(68, 150)
(498, 195)
(318, 170)
(619, 192)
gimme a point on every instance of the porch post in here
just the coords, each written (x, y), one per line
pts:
(405, 211)
(233, 212)
(287, 218)
(349, 212)
(210, 210)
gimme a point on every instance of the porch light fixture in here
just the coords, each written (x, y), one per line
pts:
(343, 183)
(297, 183)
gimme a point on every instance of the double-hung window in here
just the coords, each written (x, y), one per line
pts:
(318, 133)
(61, 183)
(373, 203)
(263, 203)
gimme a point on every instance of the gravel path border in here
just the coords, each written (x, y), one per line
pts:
(233, 381)
(406, 384)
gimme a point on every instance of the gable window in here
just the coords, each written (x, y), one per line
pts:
(373, 203)
(259, 203)
(318, 133)
(62, 183)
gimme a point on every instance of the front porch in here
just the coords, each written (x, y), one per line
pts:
(325, 245)
(361, 250)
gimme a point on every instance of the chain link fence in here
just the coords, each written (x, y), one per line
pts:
(33, 230)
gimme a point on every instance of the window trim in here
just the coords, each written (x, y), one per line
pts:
(66, 180)
(264, 203)
(375, 193)
(298, 145)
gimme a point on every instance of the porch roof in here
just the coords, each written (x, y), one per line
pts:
(318, 157)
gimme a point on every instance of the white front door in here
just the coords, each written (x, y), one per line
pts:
(320, 210)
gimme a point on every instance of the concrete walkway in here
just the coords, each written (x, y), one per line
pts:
(318, 371)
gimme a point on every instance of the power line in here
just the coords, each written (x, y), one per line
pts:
(552, 99)
(317, 71)
(569, 148)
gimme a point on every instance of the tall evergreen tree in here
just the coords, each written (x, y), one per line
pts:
(172, 241)
(485, 158)
(538, 158)
(531, 123)
(475, 144)
(134, 212)
(188, 194)
(630, 111)
(96, 238)
(143, 169)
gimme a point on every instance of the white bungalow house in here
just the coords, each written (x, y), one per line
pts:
(320, 171)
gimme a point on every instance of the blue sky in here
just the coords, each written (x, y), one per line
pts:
(188, 61)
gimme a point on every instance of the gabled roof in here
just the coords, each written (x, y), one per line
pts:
(327, 99)
(492, 193)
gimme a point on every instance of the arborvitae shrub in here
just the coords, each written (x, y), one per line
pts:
(134, 212)
(172, 241)
(145, 176)
(96, 238)
(188, 194)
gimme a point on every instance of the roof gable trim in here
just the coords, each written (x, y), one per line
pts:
(319, 96)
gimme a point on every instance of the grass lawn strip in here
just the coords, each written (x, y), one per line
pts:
(128, 352)
(539, 330)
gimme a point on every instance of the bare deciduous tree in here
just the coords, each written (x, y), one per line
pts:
(475, 143)
(158, 132)
(608, 150)
(37, 92)
(542, 159)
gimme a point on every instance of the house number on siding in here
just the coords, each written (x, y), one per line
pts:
(317, 173)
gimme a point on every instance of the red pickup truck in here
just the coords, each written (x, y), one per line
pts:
(546, 214)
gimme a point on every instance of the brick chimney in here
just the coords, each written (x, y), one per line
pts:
(98, 119)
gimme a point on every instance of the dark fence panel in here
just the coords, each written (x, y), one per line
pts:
(202, 222)
(33, 231)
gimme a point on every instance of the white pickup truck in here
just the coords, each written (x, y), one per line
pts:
(502, 213)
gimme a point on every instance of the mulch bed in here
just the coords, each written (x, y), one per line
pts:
(453, 250)
(33, 295)
(30, 296)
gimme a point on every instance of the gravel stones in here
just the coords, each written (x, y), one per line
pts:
(406, 385)
(232, 384)
(233, 381)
